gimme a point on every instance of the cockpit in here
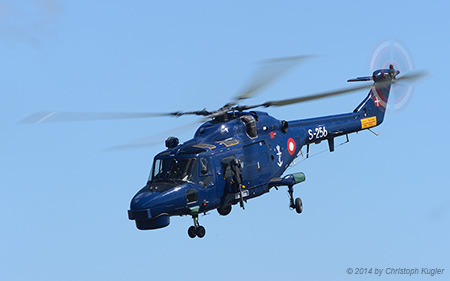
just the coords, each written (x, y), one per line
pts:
(174, 169)
(169, 172)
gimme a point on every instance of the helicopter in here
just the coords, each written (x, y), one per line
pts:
(238, 153)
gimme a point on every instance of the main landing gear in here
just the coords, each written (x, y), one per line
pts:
(297, 204)
(289, 181)
(196, 229)
(224, 210)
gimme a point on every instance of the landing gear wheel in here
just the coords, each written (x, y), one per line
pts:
(192, 232)
(201, 231)
(196, 229)
(224, 210)
(298, 205)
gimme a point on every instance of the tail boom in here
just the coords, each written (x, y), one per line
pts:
(369, 113)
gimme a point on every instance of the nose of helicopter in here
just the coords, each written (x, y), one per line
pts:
(145, 212)
(152, 209)
(144, 200)
(148, 204)
(141, 206)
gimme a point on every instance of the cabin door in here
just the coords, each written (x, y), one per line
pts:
(255, 165)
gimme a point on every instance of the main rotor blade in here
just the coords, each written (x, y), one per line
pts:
(316, 96)
(154, 139)
(411, 77)
(267, 73)
(47, 117)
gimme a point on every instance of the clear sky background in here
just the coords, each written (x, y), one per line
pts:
(376, 202)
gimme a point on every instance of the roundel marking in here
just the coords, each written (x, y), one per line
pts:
(291, 146)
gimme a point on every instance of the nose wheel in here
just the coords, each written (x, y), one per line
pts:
(196, 229)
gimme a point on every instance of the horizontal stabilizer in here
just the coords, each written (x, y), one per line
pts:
(360, 79)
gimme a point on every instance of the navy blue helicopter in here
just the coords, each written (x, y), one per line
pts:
(241, 154)
(238, 154)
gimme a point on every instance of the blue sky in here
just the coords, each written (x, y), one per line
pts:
(376, 202)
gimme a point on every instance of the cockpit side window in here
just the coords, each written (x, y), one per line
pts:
(205, 172)
(250, 126)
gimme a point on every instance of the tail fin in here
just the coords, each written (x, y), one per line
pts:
(373, 107)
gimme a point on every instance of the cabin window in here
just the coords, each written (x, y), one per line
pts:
(250, 126)
(226, 166)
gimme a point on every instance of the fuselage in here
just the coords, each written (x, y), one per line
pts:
(197, 176)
